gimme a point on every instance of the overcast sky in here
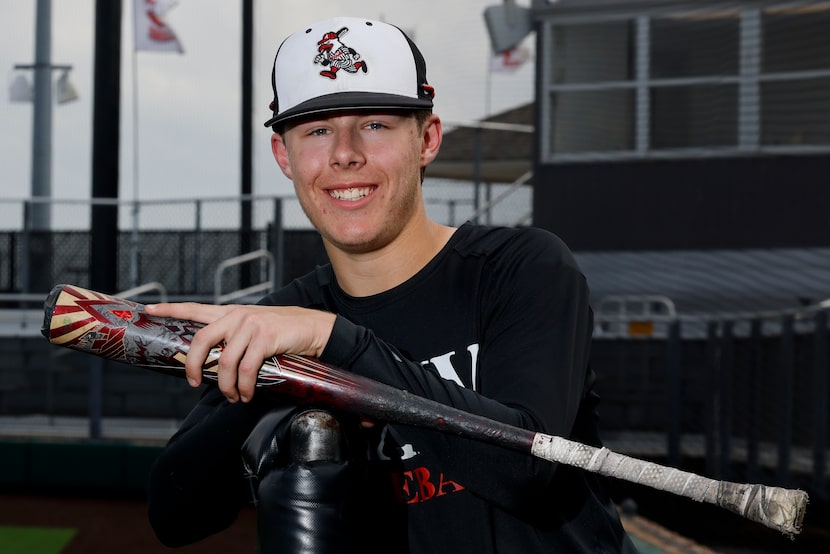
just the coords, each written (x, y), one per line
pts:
(188, 108)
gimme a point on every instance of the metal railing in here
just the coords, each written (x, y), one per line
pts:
(264, 286)
(145, 288)
(747, 392)
(509, 191)
(180, 242)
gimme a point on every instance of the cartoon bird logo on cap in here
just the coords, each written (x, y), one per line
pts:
(335, 55)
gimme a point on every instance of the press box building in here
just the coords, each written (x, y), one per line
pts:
(670, 128)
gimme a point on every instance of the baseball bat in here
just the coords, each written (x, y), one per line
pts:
(121, 330)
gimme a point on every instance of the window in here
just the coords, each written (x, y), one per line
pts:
(694, 46)
(796, 112)
(687, 83)
(593, 52)
(592, 97)
(694, 116)
(796, 39)
(795, 82)
(595, 120)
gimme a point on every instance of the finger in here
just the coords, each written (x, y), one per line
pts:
(193, 311)
(227, 383)
(236, 345)
(204, 340)
(248, 370)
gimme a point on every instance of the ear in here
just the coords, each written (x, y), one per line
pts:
(280, 152)
(432, 136)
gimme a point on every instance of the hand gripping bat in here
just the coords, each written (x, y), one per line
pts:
(121, 330)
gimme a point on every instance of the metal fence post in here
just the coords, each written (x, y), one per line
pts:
(727, 371)
(821, 365)
(673, 356)
(785, 385)
(12, 266)
(278, 244)
(24, 247)
(197, 248)
(755, 388)
(96, 396)
(712, 402)
(134, 246)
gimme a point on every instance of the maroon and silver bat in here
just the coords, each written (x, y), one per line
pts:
(121, 330)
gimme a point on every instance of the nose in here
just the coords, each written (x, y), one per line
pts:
(347, 151)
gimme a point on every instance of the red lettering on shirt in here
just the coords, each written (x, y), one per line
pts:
(419, 485)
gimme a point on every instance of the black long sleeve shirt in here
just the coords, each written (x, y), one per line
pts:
(497, 324)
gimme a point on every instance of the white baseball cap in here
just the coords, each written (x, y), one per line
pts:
(347, 63)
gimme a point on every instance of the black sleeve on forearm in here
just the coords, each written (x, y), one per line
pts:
(196, 486)
(533, 366)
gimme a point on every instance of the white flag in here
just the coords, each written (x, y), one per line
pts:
(151, 32)
(509, 60)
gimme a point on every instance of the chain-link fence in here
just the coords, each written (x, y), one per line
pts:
(181, 243)
(176, 243)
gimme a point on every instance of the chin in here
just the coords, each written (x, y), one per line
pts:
(357, 243)
(355, 247)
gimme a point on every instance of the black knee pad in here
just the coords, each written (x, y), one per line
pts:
(298, 466)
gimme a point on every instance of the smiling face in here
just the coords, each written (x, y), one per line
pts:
(357, 175)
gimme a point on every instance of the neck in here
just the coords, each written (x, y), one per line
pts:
(369, 273)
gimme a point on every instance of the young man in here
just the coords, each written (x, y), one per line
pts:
(494, 321)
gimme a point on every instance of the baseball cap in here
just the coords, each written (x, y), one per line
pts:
(347, 63)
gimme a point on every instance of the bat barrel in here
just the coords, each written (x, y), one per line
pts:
(121, 330)
(49, 309)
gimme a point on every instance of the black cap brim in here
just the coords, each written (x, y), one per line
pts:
(343, 101)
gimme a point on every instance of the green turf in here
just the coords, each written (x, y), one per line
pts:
(34, 540)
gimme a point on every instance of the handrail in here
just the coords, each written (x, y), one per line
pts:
(645, 301)
(263, 286)
(513, 187)
(26, 318)
(26, 297)
(141, 289)
(625, 324)
(800, 312)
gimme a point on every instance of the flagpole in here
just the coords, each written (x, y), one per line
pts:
(488, 84)
(134, 242)
(150, 33)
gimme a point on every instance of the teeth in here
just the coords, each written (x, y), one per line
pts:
(350, 194)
